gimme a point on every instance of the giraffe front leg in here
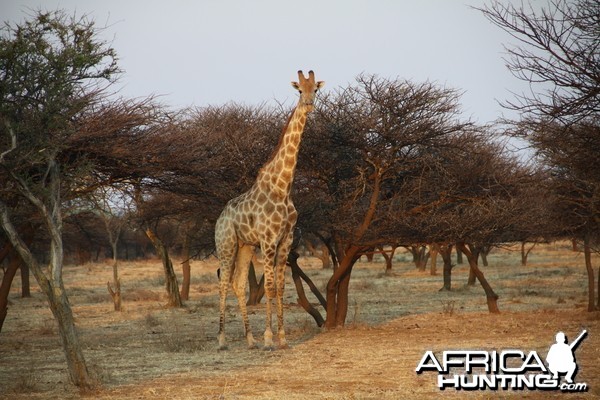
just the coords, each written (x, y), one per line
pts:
(270, 292)
(226, 243)
(280, 289)
(282, 254)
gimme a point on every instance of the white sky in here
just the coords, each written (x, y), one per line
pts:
(216, 51)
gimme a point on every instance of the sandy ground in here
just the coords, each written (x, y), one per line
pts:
(150, 352)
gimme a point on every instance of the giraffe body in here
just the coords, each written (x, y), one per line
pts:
(264, 217)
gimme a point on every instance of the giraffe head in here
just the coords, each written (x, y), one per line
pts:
(308, 89)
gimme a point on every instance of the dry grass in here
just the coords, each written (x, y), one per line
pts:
(150, 352)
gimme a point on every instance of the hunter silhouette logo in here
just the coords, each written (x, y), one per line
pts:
(507, 369)
(560, 357)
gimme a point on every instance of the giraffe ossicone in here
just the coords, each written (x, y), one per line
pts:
(264, 217)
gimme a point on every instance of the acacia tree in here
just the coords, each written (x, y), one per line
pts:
(389, 162)
(51, 68)
(127, 142)
(57, 146)
(205, 158)
(185, 170)
(365, 143)
(113, 205)
(570, 154)
(477, 196)
(558, 55)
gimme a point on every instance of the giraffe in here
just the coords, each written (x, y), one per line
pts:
(264, 217)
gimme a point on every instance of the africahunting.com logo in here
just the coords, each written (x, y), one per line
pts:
(508, 369)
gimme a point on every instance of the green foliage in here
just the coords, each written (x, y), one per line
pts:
(51, 68)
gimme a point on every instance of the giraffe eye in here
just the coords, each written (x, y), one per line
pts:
(300, 91)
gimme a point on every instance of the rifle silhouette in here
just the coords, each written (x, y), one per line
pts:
(576, 342)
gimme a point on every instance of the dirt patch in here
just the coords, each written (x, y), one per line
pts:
(151, 352)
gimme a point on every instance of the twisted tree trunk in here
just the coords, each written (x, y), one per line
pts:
(492, 297)
(302, 300)
(116, 292)
(171, 285)
(337, 286)
(52, 285)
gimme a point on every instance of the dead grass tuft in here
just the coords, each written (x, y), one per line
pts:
(448, 307)
(151, 321)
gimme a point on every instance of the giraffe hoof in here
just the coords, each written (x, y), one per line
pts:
(252, 346)
(269, 348)
(284, 346)
(223, 347)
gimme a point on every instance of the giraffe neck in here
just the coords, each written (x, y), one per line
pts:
(277, 174)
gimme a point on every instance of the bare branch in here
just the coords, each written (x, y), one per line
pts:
(13, 141)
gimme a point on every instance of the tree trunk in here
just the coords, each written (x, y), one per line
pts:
(52, 286)
(492, 298)
(27, 235)
(342, 296)
(312, 250)
(25, 286)
(598, 291)
(370, 253)
(186, 269)
(302, 300)
(587, 253)
(325, 256)
(388, 259)
(59, 304)
(525, 253)
(330, 249)
(475, 255)
(459, 257)
(171, 285)
(483, 253)
(9, 274)
(337, 286)
(446, 252)
(6, 282)
(116, 293)
(337, 289)
(420, 256)
(433, 250)
(256, 288)
(320, 251)
(472, 278)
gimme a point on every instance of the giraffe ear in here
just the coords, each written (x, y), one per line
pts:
(320, 84)
(296, 85)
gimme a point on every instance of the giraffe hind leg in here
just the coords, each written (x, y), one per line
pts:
(240, 277)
